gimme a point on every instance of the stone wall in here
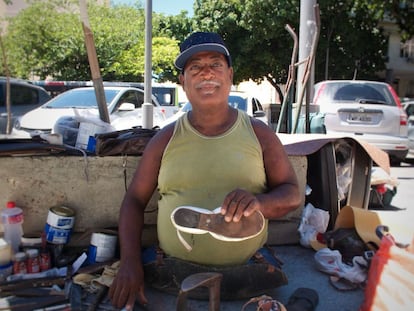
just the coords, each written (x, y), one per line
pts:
(94, 187)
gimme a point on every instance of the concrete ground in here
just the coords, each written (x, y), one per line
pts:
(299, 266)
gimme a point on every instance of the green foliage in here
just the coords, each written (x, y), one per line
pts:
(344, 56)
(254, 32)
(47, 39)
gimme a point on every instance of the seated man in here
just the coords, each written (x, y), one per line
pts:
(212, 156)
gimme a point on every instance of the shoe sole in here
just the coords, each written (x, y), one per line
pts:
(200, 221)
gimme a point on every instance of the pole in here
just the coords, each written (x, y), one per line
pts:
(147, 108)
(93, 63)
(307, 19)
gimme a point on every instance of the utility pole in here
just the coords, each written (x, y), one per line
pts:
(307, 28)
(147, 108)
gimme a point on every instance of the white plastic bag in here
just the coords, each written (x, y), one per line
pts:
(314, 221)
(330, 262)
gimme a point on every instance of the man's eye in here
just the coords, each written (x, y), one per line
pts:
(195, 67)
(216, 65)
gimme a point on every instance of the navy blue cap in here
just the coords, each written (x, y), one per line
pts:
(201, 42)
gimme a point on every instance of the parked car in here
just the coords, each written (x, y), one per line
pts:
(24, 97)
(368, 110)
(239, 100)
(409, 109)
(124, 108)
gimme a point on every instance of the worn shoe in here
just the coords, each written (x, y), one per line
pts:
(303, 299)
(197, 220)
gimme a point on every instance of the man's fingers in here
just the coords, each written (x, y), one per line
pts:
(141, 297)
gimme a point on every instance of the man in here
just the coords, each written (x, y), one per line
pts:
(213, 156)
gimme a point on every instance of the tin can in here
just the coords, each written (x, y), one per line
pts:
(19, 263)
(33, 264)
(59, 224)
(45, 262)
(102, 247)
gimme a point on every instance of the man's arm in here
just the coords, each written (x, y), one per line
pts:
(129, 282)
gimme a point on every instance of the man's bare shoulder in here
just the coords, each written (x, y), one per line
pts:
(161, 139)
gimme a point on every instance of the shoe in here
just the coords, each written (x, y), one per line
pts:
(195, 220)
(303, 299)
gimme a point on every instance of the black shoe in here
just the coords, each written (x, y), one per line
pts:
(303, 299)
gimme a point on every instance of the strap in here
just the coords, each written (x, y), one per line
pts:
(184, 242)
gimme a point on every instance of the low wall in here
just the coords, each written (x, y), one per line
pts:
(94, 187)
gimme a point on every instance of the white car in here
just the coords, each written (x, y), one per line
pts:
(409, 109)
(368, 110)
(238, 100)
(124, 108)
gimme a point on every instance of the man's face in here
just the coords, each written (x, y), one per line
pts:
(207, 78)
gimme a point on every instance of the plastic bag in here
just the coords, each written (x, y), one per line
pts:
(330, 262)
(314, 221)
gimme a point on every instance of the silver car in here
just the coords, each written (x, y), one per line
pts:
(368, 110)
(409, 109)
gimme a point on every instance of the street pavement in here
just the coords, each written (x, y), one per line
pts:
(299, 265)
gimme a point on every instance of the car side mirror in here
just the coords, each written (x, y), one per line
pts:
(126, 107)
(259, 114)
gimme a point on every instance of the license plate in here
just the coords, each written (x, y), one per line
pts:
(359, 117)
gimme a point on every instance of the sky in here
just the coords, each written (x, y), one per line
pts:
(170, 7)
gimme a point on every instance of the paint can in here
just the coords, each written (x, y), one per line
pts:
(59, 224)
(102, 247)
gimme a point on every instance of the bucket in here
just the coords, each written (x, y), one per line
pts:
(102, 247)
(86, 133)
(59, 224)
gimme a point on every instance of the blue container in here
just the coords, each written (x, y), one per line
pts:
(57, 235)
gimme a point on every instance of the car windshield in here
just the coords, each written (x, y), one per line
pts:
(238, 102)
(84, 98)
(342, 92)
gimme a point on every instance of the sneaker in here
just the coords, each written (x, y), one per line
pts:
(195, 220)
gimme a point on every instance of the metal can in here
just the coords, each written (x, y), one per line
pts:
(102, 247)
(33, 264)
(19, 263)
(45, 262)
(59, 224)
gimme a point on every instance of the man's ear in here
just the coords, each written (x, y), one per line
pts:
(181, 79)
(231, 74)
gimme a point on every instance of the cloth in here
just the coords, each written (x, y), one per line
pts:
(189, 177)
(263, 272)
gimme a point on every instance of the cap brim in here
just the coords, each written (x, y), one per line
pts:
(182, 59)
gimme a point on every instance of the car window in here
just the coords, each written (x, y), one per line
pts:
(238, 102)
(410, 110)
(343, 92)
(257, 106)
(81, 98)
(20, 95)
(132, 97)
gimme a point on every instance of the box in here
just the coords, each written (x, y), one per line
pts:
(339, 169)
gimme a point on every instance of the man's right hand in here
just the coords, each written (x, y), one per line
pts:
(128, 286)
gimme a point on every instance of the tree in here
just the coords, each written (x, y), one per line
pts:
(46, 39)
(261, 47)
(343, 56)
(254, 32)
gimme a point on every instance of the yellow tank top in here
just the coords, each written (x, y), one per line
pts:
(198, 170)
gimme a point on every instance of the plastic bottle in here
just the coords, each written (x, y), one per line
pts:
(12, 219)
